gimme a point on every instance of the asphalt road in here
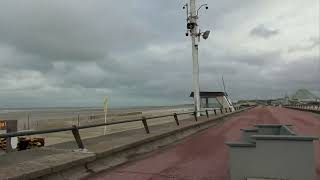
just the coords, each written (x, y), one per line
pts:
(205, 156)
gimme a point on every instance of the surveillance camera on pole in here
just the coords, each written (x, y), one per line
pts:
(192, 30)
(206, 34)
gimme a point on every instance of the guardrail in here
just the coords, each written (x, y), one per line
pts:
(313, 108)
(75, 129)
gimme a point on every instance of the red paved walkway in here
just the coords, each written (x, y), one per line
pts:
(205, 156)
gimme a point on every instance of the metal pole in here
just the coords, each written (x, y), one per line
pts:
(105, 121)
(78, 119)
(77, 137)
(28, 121)
(195, 116)
(145, 124)
(176, 118)
(194, 36)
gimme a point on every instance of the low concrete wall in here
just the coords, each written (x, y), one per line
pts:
(272, 151)
(292, 160)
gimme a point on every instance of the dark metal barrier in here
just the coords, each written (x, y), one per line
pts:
(75, 129)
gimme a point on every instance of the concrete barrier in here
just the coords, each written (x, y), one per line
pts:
(272, 151)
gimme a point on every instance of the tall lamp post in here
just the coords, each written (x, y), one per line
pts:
(192, 30)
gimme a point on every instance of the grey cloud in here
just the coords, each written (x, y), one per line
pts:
(312, 43)
(73, 53)
(57, 30)
(263, 31)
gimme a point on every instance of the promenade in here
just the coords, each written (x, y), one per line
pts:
(205, 155)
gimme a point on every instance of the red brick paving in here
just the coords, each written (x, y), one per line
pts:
(205, 156)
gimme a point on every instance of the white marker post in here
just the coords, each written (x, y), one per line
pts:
(105, 109)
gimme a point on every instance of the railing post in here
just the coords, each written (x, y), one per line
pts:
(215, 112)
(176, 118)
(76, 135)
(207, 113)
(11, 126)
(195, 115)
(78, 119)
(8, 145)
(28, 121)
(145, 124)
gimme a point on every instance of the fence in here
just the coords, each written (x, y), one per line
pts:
(312, 108)
(75, 129)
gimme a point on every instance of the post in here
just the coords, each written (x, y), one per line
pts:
(195, 77)
(78, 119)
(28, 121)
(195, 116)
(207, 113)
(215, 112)
(145, 124)
(105, 110)
(76, 135)
(105, 121)
(11, 126)
(176, 118)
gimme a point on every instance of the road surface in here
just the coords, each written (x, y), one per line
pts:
(205, 156)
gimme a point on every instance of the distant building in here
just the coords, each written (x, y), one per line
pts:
(211, 100)
(304, 96)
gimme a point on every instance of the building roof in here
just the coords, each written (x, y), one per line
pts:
(304, 95)
(209, 94)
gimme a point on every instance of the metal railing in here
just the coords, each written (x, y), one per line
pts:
(75, 129)
(305, 107)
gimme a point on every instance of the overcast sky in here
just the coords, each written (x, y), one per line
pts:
(73, 53)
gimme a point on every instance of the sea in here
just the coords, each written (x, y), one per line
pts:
(24, 114)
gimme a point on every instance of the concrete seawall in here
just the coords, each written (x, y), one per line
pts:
(60, 161)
